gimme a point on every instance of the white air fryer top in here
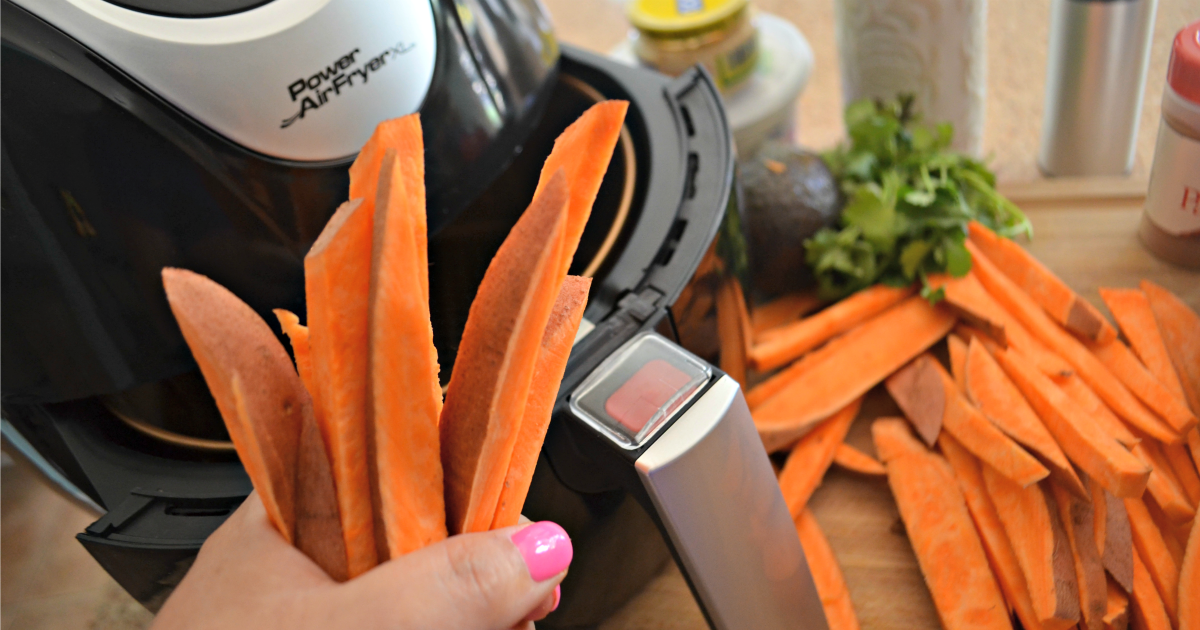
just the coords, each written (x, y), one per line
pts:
(295, 79)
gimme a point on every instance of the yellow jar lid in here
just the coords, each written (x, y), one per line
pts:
(672, 17)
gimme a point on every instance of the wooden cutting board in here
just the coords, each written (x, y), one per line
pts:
(1085, 230)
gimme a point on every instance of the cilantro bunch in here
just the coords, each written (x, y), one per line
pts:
(908, 201)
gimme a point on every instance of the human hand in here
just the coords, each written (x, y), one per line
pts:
(247, 576)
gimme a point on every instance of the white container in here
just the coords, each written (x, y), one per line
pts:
(764, 106)
(933, 49)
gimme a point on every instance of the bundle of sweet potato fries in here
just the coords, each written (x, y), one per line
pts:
(352, 449)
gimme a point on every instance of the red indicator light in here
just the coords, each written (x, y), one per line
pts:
(636, 402)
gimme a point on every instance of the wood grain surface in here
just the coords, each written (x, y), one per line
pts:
(1085, 230)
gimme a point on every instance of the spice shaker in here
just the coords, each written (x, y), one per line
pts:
(935, 50)
(1170, 226)
(1095, 77)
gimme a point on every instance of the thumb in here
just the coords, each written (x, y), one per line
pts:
(491, 579)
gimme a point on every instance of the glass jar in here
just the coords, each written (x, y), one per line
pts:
(674, 35)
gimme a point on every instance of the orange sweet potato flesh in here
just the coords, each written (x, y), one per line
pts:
(1113, 535)
(854, 460)
(1031, 520)
(884, 344)
(940, 529)
(543, 392)
(1152, 551)
(1131, 309)
(496, 359)
(958, 361)
(1097, 454)
(1106, 420)
(967, 294)
(405, 397)
(1189, 583)
(1078, 521)
(733, 329)
(1185, 471)
(1180, 328)
(298, 335)
(793, 340)
(582, 152)
(337, 279)
(229, 339)
(782, 310)
(928, 397)
(811, 457)
(967, 297)
(1121, 361)
(318, 524)
(778, 382)
(1162, 486)
(1148, 609)
(1116, 608)
(1087, 366)
(827, 575)
(989, 388)
(364, 172)
(1062, 304)
(1000, 554)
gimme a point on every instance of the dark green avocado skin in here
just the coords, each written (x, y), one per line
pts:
(782, 210)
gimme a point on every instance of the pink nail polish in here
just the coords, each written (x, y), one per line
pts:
(557, 597)
(546, 549)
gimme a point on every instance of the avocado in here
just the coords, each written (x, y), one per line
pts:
(788, 194)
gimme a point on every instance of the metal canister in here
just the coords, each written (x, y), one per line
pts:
(1095, 78)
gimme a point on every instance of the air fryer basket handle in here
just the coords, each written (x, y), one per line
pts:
(719, 506)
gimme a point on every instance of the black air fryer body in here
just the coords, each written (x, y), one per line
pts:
(106, 181)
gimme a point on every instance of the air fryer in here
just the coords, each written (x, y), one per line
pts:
(106, 181)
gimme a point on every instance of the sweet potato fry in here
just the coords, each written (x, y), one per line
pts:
(1100, 456)
(827, 575)
(929, 398)
(1078, 521)
(1000, 554)
(869, 355)
(228, 339)
(1132, 311)
(1180, 328)
(1152, 550)
(854, 460)
(496, 359)
(799, 337)
(1002, 403)
(939, 526)
(782, 310)
(1062, 304)
(1116, 612)
(1086, 365)
(543, 392)
(1121, 361)
(1148, 608)
(337, 279)
(811, 457)
(1041, 546)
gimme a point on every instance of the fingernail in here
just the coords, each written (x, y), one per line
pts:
(557, 597)
(546, 549)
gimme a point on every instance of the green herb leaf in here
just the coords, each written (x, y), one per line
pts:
(909, 201)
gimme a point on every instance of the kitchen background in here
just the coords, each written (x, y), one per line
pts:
(47, 580)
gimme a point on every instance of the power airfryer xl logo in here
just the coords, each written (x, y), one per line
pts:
(335, 79)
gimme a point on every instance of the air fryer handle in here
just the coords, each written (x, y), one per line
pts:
(720, 508)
